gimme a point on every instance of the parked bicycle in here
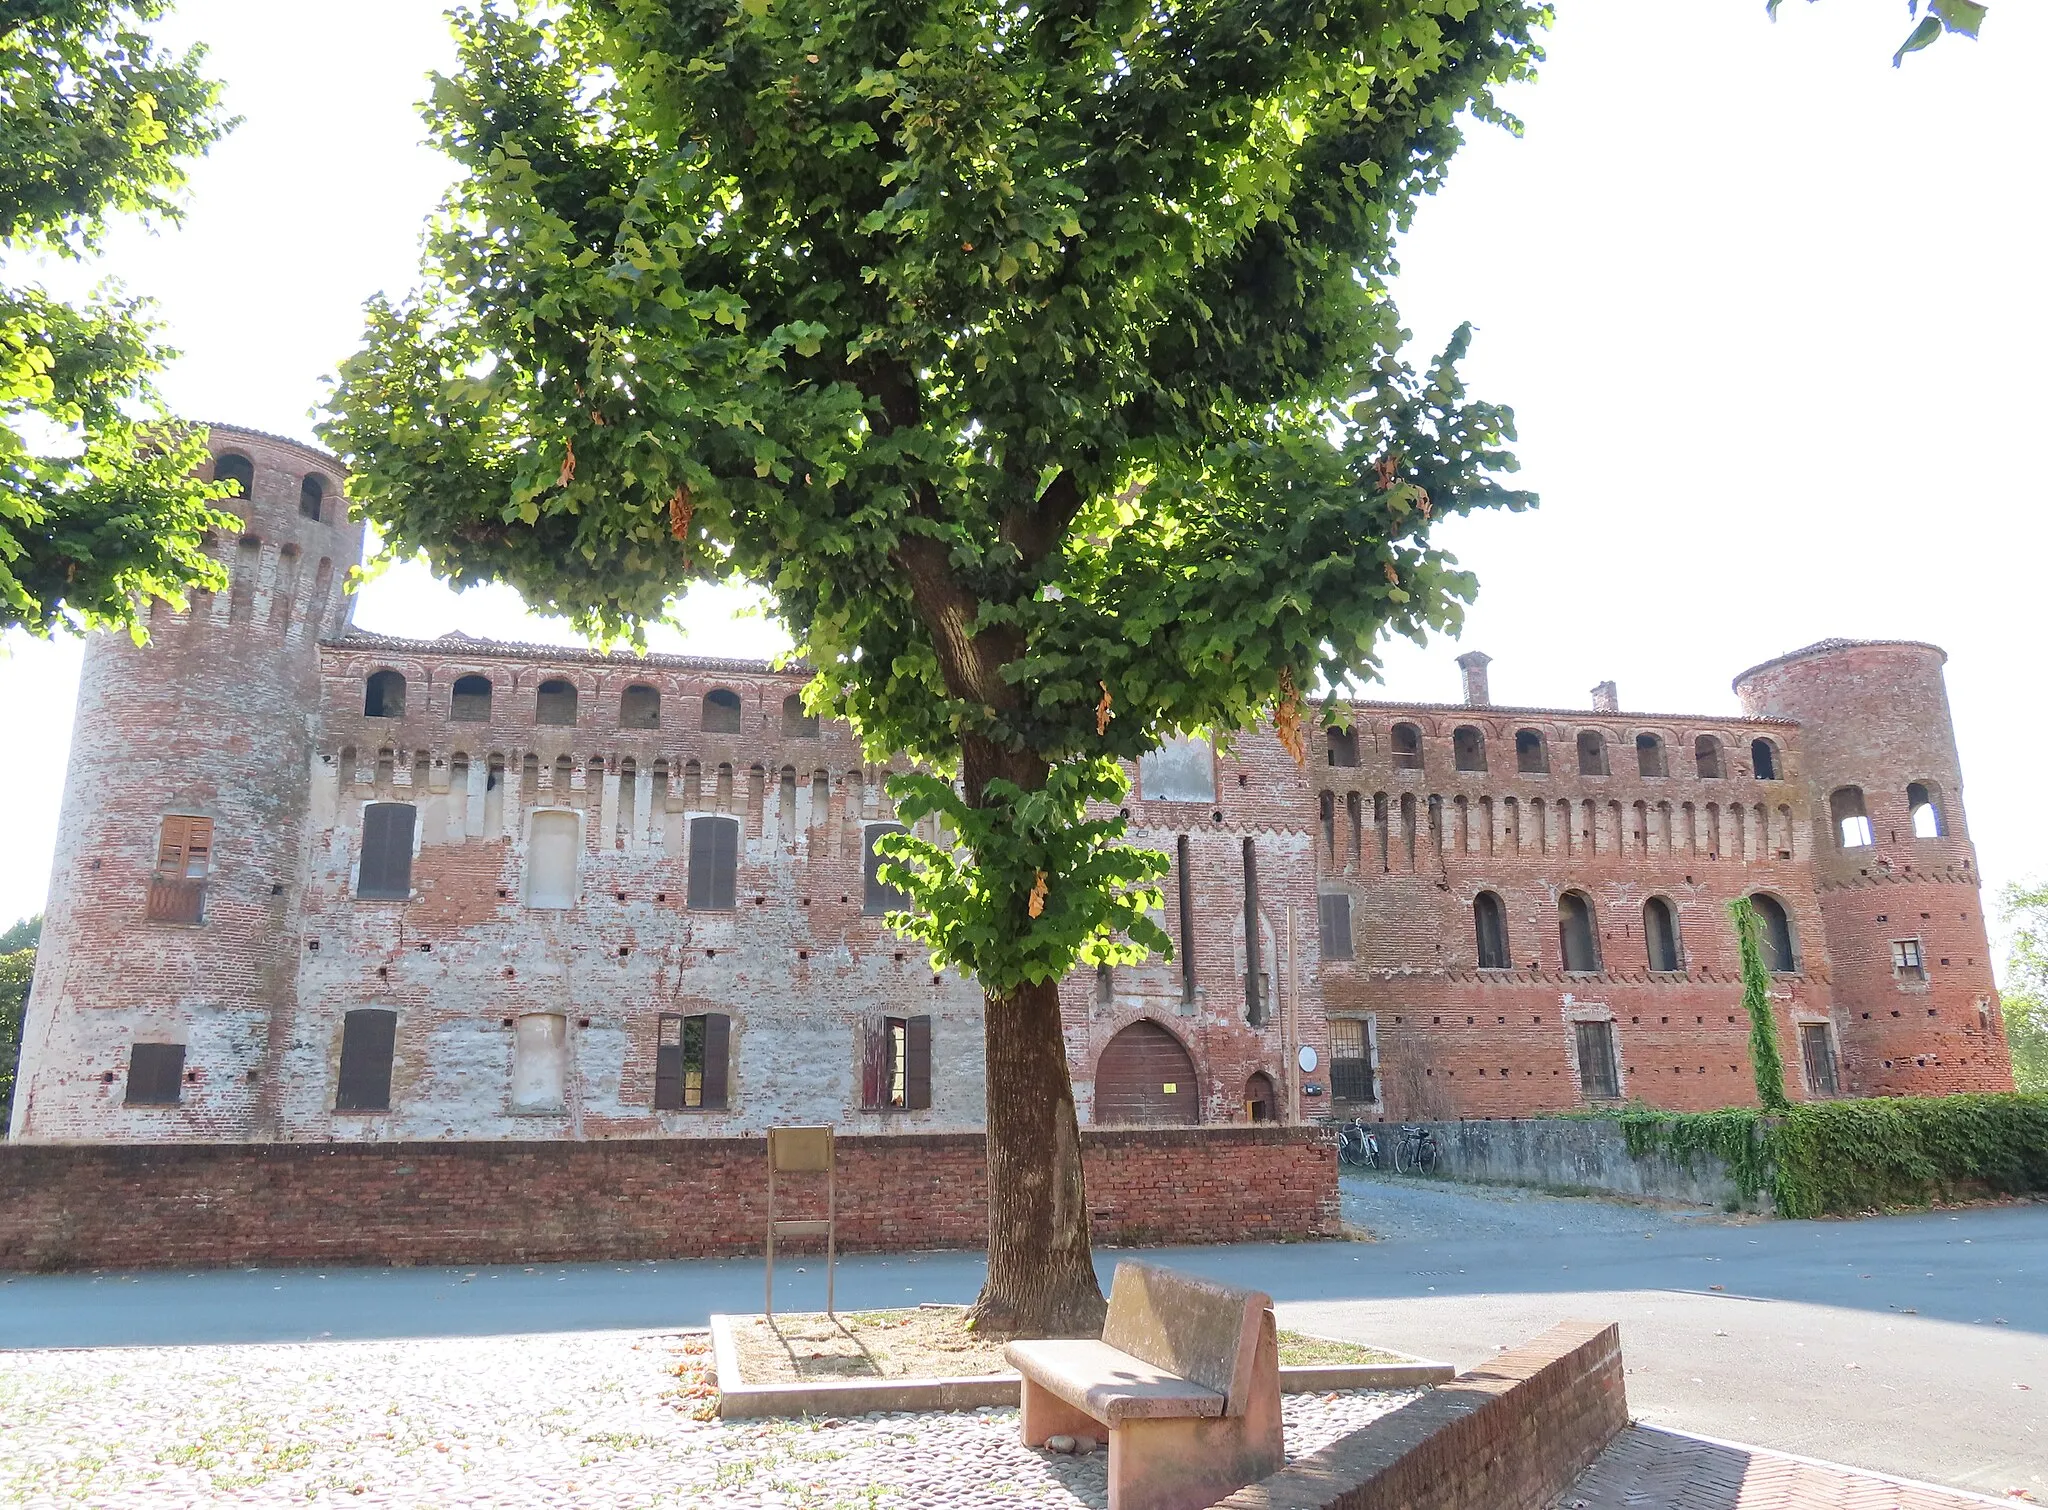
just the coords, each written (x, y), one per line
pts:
(1416, 1153)
(1358, 1145)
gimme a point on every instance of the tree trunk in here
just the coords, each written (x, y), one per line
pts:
(1041, 1273)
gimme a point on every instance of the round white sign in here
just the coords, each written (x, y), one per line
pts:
(1307, 1059)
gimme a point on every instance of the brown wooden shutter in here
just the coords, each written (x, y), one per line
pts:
(368, 1036)
(668, 1063)
(918, 1059)
(874, 1064)
(717, 1055)
(156, 1074)
(386, 869)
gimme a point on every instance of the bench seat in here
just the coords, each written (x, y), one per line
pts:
(1109, 1384)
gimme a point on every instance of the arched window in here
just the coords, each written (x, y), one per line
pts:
(1592, 753)
(1578, 938)
(797, 724)
(1468, 748)
(470, 702)
(384, 695)
(640, 707)
(312, 493)
(1343, 746)
(1660, 935)
(237, 470)
(1779, 954)
(555, 702)
(1490, 925)
(1706, 755)
(1920, 799)
(1406, 742)
(1852, 823)
(1649, 755)
(1763, 759)
(1532, 758)
(721, 711)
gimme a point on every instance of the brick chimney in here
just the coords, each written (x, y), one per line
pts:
(1473, 664)
(1606, 699)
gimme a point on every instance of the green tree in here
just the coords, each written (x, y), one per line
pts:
(2025, 997)
(17, 969)
(1036, 360)
(1764, 1060)
(100, 505)
(25, 934)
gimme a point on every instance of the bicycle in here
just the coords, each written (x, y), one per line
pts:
(1358, 1145)
(1416, 1153)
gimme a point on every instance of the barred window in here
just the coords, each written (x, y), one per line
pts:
(1351, 1062)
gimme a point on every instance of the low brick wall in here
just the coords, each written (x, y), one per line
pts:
(1584, 1153)
(71, 1206)
(1511, 1435)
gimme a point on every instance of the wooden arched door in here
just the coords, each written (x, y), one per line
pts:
(1145, 1074)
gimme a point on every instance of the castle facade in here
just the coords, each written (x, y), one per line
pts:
(318, 884)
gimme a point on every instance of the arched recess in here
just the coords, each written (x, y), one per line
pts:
(1146, 1075)
(1780, 947)
(1923, 801)
(1660, 935)
(1261, 1098)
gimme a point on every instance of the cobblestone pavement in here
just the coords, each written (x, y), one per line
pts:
(1648, 1469)
(572, 1419)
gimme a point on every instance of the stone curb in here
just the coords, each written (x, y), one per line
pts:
(739, 1400)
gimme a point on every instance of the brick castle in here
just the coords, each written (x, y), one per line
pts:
(316, 884)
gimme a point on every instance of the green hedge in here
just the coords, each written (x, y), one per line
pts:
(1836, 1157)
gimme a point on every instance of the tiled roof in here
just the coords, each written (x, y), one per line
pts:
(283, 440)
(456, 643)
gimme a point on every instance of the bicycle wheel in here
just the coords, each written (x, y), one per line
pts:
(1404, 1157)
(1425, 1156)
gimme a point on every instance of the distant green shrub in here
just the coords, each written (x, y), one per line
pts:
(1827, 1158)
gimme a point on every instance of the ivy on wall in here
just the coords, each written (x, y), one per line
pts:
(1833, 1158)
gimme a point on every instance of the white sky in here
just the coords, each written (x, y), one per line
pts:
(1771, 315)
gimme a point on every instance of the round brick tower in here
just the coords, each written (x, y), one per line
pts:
(165, 980)
(1915, 1005)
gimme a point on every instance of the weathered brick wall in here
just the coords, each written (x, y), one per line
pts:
(1876, 717)
(213, 719)
(236, 711)
(189, 1204)
(1512, 1434)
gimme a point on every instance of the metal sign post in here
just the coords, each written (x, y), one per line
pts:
(803, 1150)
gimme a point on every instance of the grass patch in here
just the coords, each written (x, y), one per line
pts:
(1298, 1350)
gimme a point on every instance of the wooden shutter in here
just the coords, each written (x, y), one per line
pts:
(874, 1064)
(717, 1054)
(368, 1036)
(1597, 1077)
(917, 1078)
(714, 863)
(1335, 910)
(668, 1063)
(184, 848)
(877, 895)
(156, 1074)
(386, 869)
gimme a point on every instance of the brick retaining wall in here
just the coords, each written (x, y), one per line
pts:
(1510, 1435)
(72, 1206)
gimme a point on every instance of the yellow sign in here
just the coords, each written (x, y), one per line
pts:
(1170, 1087)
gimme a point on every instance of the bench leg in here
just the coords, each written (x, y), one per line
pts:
(1190, 1464)
(1046, 1415)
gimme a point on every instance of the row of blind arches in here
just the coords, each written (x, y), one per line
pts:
(1532, 752)
(1578, 932)
(236, 470)
(555, 702)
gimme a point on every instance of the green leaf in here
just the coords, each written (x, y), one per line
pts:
(1922, 35)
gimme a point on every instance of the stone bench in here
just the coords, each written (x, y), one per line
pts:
(1186, 1379)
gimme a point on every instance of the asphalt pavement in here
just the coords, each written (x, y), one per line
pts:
(1914, 1344)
